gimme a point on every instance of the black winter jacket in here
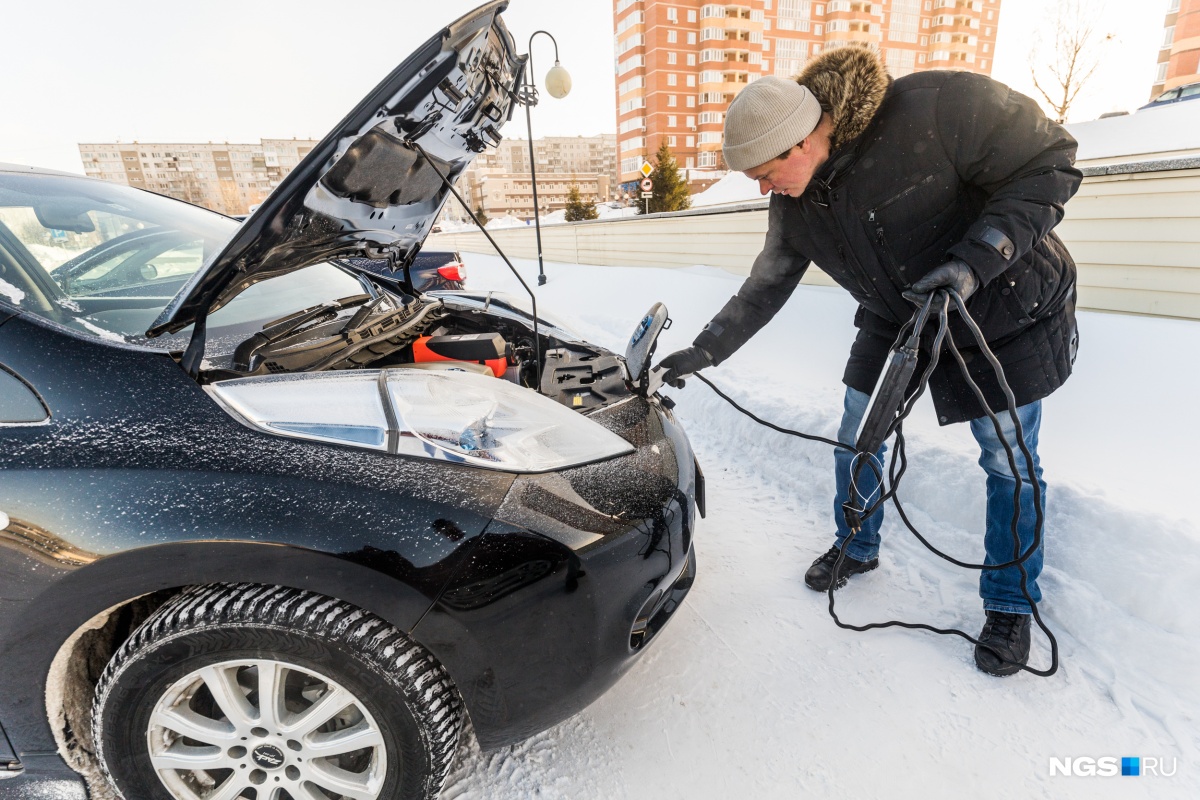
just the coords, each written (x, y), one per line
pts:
(934, 165)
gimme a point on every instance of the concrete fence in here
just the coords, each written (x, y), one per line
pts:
(1134, 230)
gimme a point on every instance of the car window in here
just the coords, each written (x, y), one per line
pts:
(1190, 91)
(106, 260)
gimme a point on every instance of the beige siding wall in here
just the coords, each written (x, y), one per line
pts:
(1136, 238)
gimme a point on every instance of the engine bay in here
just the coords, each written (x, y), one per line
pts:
(483, 332)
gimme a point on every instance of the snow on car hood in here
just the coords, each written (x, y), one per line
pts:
(365, 190)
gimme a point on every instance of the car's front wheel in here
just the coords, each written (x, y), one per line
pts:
(240, 691)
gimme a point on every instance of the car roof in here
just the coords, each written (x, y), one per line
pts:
(36, 170)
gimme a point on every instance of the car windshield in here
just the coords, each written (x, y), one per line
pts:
(105, 260)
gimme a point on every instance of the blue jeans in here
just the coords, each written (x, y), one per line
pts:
(1000, 589)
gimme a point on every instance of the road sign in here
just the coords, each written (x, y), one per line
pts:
(646, 169)
(647, 195)
(647, 184)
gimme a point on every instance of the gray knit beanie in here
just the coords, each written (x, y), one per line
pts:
(766, 119)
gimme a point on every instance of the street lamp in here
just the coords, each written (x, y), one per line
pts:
(558, 84)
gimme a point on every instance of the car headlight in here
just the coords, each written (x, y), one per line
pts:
(448, 415)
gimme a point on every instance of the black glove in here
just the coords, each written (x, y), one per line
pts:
(954, 274)
(683, 363)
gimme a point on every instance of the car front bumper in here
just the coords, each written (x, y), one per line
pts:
(573, 579)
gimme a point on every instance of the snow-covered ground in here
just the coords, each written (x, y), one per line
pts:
(752, 692)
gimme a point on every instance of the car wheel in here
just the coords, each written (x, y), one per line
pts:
(264, 692)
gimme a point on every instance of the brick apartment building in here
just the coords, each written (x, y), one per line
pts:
(224, 177)
(679, 63)
(1179, 57)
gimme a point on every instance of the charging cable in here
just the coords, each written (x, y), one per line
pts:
(885, 417)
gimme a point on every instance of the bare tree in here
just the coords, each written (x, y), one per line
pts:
(231, 198)
(1061, 69)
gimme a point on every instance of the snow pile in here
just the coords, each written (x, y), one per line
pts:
(1166, 131)
(507, 221)
(733, 188)
(753, 691)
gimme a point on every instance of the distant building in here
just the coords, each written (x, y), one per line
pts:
(681, 62)
(498, 180)
(511, 193)
(224, 177)
(1179, 56)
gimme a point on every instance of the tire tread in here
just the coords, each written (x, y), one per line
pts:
(432, 697)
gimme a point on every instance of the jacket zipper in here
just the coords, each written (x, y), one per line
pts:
(903, 194)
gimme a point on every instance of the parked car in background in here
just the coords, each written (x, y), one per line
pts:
(273, 526)
(1189, 91)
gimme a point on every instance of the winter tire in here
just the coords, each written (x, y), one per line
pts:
(264, 692)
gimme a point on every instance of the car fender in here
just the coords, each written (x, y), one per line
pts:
(35, 636)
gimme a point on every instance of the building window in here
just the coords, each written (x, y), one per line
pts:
(691, 15)
(691, 162)
(691, 101)
(671, 120)
(636, 18)
(670, 141)
(692, 37)
(672, 37)
(633, 62)
(691, 141)
(1168, 36)
(691, 80)
(691, 59)
(1162, 72)
(709, 117)
(637, 123)
(711, 11)
(790, 55)
(672, 79)
(901, 62)
(1173, 7)
(670, 101)
(670, 58)
(673, 14)
(707, 159)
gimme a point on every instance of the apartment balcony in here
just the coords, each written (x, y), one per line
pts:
(854, 9)
(958, 6)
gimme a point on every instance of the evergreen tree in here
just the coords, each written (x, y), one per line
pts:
(670, 191)
(577, 208)
(479, 215)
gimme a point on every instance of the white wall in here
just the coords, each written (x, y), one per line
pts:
(1135, 237)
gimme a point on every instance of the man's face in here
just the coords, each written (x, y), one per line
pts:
(789, 175)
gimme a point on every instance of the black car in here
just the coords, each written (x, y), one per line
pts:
(272, 529)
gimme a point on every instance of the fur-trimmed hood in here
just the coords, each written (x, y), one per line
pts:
(849, 82)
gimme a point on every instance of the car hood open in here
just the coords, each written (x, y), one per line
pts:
(365, 190)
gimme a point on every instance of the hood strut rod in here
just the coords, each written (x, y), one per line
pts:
(537, 345)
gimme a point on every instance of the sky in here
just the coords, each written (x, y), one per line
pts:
(240, 71)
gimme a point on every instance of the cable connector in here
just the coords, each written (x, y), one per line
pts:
(852, 516)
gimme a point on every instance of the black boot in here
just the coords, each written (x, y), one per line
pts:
(1004, 643)
(820, 573)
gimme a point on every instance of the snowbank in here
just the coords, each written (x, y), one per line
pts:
(1167, 131)
(733, 188)
(753, 692)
